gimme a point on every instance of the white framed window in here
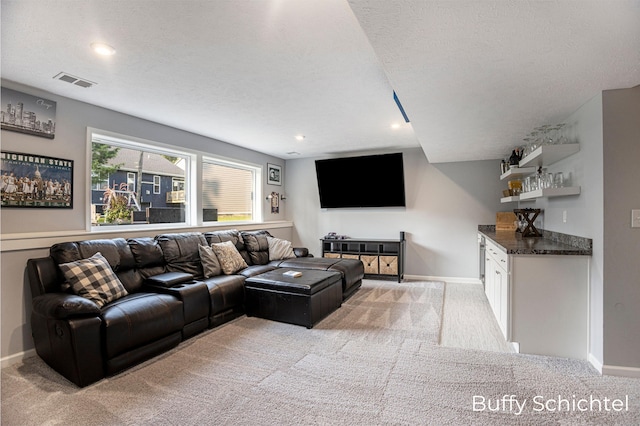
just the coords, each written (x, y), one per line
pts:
(177, 184)
(156, 184)
(120, 160)
(131, 181)
(230, 191)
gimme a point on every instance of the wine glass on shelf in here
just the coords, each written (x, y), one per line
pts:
(534, 141)
(545, 134)
(561, 136)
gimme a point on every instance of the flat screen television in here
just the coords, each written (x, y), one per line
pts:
(367, 181)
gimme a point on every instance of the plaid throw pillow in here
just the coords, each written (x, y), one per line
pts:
(93, 279)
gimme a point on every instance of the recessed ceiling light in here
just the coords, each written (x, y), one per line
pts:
(293, 153)
(395, 126)
(103, 49)
(299, 137)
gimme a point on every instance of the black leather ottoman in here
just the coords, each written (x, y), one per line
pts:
(303, 300)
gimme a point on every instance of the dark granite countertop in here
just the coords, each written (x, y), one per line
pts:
(553, 243)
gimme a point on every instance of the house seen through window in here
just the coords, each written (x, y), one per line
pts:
(133, 185)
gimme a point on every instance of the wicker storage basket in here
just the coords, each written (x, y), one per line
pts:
(351, 256)
(332, 255)
(370, 264)
(389, 265)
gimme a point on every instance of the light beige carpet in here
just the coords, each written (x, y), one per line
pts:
(374, 361)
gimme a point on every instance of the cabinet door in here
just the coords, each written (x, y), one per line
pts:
(501, 288)
(489, 282)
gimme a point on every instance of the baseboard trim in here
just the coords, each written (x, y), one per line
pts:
(614, 370)
(445, 279)
(16, 358)
(595, 362)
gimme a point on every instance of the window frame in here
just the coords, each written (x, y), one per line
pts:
(157, 181)
(131, 177)
(131, 142)
(193, 179)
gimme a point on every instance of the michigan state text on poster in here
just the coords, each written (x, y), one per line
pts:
(35, 181)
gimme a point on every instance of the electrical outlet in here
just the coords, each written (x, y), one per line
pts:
(635, 218)
(564, 216)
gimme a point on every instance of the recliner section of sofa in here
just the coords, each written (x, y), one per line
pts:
(169, 299)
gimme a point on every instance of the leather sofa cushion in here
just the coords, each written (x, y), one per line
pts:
(257, 246)
(352, 271)
(169, 279)
(62, 306)
(146, 252)
(65, 252)
(119, 256)
(226, 292)
(138, 319)
(181, 253)
(254, 270)
(116, 251)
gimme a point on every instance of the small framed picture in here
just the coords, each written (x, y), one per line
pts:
(28, 114)
(274, 174)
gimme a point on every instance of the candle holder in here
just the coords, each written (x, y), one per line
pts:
(526, 219)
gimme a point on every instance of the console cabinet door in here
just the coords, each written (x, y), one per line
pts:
(501, 288)
(489, 282)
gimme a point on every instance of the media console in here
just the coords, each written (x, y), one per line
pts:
(381, 258)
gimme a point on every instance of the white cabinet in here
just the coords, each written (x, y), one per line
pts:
(545, 155)
(539, 301)
(497, 285)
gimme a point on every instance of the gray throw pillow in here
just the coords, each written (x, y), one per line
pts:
(210, 264)
(280, 249)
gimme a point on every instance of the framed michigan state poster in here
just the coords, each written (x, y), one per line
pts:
(28, 180)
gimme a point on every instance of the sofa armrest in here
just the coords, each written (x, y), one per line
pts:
(169, 279)
(62, 305)
(301, 252)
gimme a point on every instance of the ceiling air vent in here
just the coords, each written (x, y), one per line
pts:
(63, 76)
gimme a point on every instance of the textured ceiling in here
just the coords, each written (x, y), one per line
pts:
(476, 76)
(473, 77)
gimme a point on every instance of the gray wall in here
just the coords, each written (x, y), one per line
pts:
(608, 130)
(72, 119)
(621, 118)
(585, 211)
(445, 204)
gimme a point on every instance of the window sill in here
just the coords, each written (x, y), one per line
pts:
(40, 240)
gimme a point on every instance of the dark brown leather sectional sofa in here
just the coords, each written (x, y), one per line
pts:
(169, 299)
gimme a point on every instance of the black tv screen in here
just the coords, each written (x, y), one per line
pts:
(368, 181)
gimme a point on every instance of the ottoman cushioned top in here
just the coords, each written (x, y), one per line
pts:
(311, 281)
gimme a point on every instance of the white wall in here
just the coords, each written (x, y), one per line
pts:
(445, 204)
